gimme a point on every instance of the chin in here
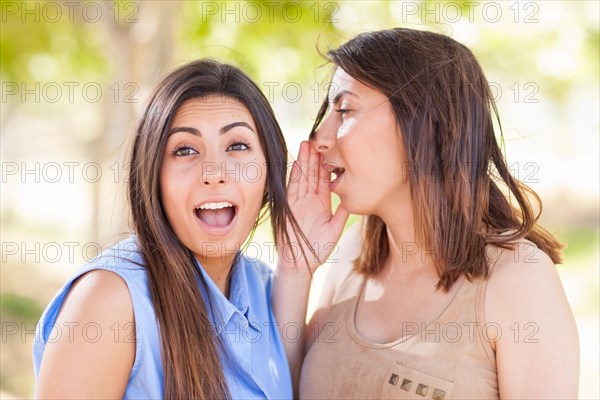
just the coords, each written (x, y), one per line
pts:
(214, 248)
(354, 206)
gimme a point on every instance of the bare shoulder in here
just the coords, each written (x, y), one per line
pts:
(536, 342)
(90, 356)
(524, 285)
(98, 296)
(101, 288)
(521, 274)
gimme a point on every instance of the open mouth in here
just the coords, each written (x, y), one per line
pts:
(216, 215)
(336, 174)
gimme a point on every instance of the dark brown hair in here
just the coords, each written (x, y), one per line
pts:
(191, 349)
(459, 179)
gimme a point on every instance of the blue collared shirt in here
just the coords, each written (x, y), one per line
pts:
(255, 365)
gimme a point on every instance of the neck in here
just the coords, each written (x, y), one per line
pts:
(219, 270)
(407, 254)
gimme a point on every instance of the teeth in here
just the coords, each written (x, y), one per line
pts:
(215, 206)
(336, 173)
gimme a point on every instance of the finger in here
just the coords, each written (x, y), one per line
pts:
(313, 170)
(323, 185)
(303, 160)
(293, 184)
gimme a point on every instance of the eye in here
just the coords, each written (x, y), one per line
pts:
(239, 145)
(342, 111)
(184, 151)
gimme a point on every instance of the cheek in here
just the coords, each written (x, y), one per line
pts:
(168, 190)
(346, 127)
(251, 178)
(251, 185)
(257, 177)
(255, 182)
(253, 174)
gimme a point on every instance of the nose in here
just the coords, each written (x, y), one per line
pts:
(325, 136)
(213, 173)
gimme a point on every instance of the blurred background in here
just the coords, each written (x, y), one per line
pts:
(76, 74)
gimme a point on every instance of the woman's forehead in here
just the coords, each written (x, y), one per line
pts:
(343, 84)
(213, 107)
(213, 102)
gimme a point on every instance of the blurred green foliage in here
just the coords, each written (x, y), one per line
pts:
(14, 307)
(259, 34)
(18, 316)
(581, 243)
(52, 49)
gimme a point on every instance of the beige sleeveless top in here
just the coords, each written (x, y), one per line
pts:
(450, 358)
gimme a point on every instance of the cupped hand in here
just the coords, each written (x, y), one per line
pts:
(309, 198)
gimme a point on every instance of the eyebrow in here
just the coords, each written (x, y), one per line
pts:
(222, 131)
(228, 127)
(340, 94)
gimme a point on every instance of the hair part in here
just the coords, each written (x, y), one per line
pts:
(466, 195)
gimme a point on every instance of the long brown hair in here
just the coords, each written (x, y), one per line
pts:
(191, 349)
(462, 191)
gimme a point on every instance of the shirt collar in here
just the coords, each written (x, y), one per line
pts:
(223, 308)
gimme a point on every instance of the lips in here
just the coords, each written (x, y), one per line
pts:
(216, 217)
(335, 174)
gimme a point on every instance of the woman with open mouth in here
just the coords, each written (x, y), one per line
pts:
(448, 288)
(181, 313)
